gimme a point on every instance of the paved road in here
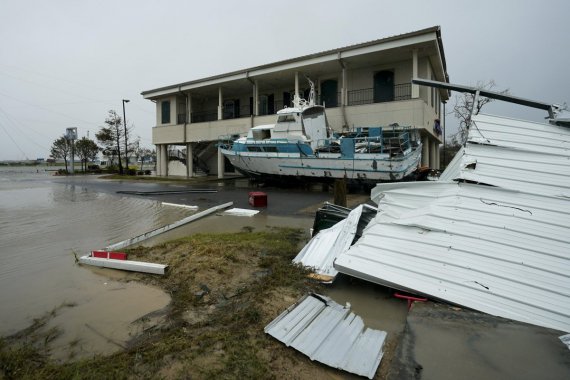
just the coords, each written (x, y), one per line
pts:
(281, 201)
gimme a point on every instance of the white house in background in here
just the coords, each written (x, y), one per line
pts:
(360, 85)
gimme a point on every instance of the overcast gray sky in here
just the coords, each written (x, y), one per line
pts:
(65, 63)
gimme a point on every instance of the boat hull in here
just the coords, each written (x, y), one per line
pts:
(365, 168)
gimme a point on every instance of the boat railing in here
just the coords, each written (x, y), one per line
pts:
(268, 141)
(227, 141)
(392, 141)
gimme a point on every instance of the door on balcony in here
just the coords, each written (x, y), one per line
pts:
(229, 109)
(383, 86)
(329, 91)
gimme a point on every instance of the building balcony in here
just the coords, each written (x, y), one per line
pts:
(354, 98)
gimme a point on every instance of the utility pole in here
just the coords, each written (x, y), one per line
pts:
(125, 125)
(71, 135)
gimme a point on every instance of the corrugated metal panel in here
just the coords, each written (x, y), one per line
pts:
(498, 251)
(329, 333)
(321, 251)
(502, 249)
(514, 154)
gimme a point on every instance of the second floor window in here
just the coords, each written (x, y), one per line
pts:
(165, 112)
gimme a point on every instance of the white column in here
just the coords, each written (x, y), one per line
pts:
(189, 108)
(415, 87)
(189, 161)
(256, 98)
(220, 104)
(432, 163)
(158, 159)
(343, 90)
(164, 156)
(220, 163)
(425, 151)
(297, 83)
(437, 165)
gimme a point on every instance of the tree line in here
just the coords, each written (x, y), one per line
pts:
(116, 142)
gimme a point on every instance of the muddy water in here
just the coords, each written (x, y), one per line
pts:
(42, 223)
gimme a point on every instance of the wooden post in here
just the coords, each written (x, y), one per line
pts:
(340, 192)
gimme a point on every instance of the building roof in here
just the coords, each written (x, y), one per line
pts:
(494, 239)
(336, 54)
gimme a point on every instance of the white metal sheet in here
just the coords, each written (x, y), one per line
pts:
(502, 252)
(331, 334)
(241, 212)
(323, 248)
(130, 265)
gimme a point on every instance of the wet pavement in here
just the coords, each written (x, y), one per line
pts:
(442, 342)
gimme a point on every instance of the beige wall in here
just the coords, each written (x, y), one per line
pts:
(413, 112)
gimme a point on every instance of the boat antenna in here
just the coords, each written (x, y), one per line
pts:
(311, 92)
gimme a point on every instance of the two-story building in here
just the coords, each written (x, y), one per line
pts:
(360, 85)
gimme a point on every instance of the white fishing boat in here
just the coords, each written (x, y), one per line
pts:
(302, 145)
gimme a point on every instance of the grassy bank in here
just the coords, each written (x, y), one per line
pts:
(225, 288)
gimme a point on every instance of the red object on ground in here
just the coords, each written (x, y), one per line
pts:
(258, 199)
(109, 255)
(410, 299)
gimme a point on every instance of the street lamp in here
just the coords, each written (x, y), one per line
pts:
(125, 125)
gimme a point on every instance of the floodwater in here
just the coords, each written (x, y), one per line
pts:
(43, 222)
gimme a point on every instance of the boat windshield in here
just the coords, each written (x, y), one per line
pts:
(285, 118)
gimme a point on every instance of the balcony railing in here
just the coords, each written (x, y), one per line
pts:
(203, 116)
(369, 95)
(355, 98)
(182, 118)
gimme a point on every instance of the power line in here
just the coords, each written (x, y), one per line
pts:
(15, 143)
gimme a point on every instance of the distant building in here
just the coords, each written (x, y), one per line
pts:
(360, 85)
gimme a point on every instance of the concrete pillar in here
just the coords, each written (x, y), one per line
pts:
(189, 161)
(256, 98)
(220, 163)
(343, 90)
(437, 165)
(432, 163)
(189, 108)
(220, 104)
(425, 151)
(297, 84)
(415, 87)
(164, 161)
(158, 159)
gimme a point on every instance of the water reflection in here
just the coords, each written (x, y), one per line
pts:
(43, 223)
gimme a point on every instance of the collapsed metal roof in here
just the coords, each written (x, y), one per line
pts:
(329, 333)
(514, 154)
(495, 239)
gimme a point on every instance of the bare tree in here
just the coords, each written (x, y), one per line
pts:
(61, 148)
(110, 136)
(464, 106)
(86, 150)
(145, 154)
